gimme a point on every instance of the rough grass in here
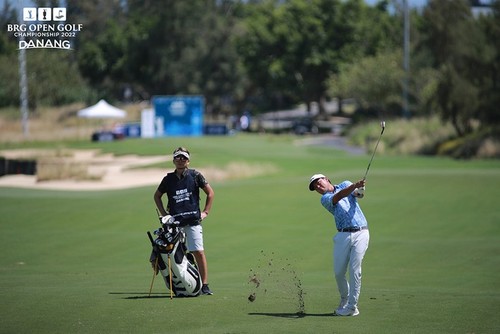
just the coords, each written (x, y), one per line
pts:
(401, 136)
(238, 170)
(425, 136)
(54, 164)
(62, 169)
(56, 123)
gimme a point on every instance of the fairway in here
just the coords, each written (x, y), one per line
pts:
(77, 261)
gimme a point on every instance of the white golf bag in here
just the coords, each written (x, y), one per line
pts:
(169, 257)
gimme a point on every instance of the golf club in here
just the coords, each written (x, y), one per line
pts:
(382, 124)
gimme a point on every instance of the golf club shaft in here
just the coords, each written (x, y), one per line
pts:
(373, 154)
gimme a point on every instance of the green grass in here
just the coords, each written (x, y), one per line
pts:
(76, 262)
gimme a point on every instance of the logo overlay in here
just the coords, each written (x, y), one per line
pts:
(44, 28)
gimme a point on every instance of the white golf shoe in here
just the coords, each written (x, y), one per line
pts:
(342, 304)
(347, 311)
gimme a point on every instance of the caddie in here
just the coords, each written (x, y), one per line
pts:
(182, 187)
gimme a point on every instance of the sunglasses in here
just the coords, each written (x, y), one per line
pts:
(181, 157)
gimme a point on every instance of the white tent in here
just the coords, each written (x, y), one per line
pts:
(102, 110)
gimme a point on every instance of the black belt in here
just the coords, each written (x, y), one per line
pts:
(353, 229)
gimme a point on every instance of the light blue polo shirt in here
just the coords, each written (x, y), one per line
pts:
(347, 212)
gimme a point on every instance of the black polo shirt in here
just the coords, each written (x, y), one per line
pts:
(184, 195)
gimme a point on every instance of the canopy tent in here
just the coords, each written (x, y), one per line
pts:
(102, 110)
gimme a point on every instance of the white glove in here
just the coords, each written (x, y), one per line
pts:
(361, 191)
(168, 219)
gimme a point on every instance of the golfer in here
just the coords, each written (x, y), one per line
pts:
(351, 241)
(182, 187)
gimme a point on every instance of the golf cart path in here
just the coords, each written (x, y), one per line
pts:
(333, 141)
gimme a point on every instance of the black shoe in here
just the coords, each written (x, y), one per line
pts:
(205, 290)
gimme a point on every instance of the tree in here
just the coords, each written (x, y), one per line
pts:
(165, 48)
(373, 73)
(53, 77)
(293, 47)
(258, 47)
(101, 46)
(9, 88)
(490, 94)
(7, 16)
(459, 51)
(374, 82)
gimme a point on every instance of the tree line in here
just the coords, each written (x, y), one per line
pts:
(261, 55)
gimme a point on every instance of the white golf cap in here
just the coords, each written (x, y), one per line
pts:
(178, 152)
(314, 178)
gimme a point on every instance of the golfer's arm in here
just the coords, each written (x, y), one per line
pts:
(159, 204)
(343, 193)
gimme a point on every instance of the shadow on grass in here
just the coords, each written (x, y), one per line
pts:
(146, 295)
(141, 295)
(296, 315)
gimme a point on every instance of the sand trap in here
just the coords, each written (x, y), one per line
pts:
(118, 172)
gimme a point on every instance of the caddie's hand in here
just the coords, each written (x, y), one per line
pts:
(168, 219)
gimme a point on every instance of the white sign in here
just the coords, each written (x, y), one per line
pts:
(44, 28)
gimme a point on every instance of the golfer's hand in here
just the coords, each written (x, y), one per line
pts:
(360, 184)
(204, 215)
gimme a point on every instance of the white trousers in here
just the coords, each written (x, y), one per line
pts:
(348, 252)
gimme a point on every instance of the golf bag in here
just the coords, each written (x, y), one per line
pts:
(170, 257)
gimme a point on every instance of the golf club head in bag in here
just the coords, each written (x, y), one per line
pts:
(169, 249)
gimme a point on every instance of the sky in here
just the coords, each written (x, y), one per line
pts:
(16, 3)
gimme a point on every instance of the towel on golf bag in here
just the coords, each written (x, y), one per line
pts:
(170, 243)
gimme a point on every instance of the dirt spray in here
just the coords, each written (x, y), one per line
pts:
(273, 280)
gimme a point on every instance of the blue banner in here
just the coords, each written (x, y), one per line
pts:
(182, 115)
